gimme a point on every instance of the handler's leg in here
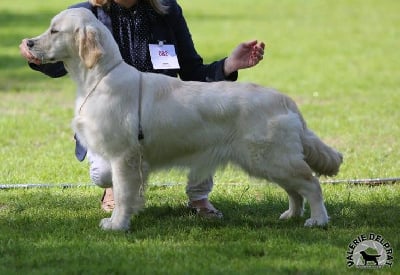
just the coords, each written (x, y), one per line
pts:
(100, 170)
(197, 193)
(100, 174)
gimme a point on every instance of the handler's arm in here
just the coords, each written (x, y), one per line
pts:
(191, 63)
(50, 69)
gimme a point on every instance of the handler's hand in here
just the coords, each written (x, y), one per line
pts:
(245, 55)
(25, 53)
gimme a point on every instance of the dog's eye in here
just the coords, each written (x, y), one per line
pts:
(52, 31)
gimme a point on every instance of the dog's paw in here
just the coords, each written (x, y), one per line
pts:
(290, 214)
(107, 224)
(286, 215)
(320, 221)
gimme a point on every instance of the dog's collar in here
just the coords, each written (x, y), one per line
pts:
(95, 86)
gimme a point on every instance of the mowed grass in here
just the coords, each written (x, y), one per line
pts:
(338, 59)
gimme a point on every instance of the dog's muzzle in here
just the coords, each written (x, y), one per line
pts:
(30, 44)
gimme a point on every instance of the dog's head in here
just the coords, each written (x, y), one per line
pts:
(74, 34)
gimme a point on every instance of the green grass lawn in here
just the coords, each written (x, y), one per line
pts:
(339, 60)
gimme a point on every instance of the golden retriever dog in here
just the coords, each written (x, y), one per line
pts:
(194, 125)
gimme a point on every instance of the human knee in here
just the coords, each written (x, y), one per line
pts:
(100, 170)
(101, 177)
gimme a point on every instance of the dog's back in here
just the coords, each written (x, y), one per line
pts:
(209, 124)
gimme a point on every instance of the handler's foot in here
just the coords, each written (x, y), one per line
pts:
(204, 208)
(107, 201)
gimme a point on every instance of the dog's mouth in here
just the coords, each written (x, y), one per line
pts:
(38, 57)
(42, 58)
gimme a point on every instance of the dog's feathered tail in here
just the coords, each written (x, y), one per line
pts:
(322, 159)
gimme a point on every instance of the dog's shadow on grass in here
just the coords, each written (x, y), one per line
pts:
(265, 214)
(166, 219)
(234, 214)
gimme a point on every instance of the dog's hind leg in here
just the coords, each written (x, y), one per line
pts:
(296, 206)
(128, 188)
(312, 191)
(296, 176)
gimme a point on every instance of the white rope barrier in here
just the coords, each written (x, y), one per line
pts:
(373, 181)
(44, 185)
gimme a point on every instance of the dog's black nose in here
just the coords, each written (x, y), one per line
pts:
(30, 43)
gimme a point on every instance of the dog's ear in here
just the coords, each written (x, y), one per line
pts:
(90, 49)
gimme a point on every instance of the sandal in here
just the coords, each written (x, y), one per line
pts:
(107, 201)
(205, 212)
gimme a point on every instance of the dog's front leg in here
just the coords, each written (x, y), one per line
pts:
(128, 188)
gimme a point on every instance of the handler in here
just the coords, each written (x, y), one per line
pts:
(135, 24)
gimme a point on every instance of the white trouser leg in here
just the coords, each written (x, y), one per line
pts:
(100, 174)
(199, 190)
(100, 170)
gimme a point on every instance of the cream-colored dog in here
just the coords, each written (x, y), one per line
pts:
(196, 125)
